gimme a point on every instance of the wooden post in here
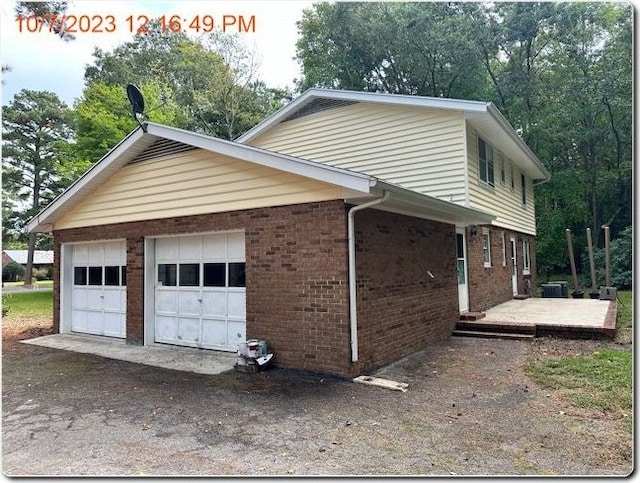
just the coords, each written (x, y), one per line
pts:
(591, 264)
(607, 274)
(571, 260)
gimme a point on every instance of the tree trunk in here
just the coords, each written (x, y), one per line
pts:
(28, 274)
(37, 186)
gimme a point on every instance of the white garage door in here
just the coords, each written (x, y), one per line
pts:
(99, 292)
(200, 294)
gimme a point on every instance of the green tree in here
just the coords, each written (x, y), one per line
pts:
(50, 13)
(514, 40)
(402, 48)
(12, 271)
(210, 84)
(35, 124)
(102, 117)
(592, 78)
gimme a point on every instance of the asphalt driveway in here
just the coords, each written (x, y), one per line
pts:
(469, 410)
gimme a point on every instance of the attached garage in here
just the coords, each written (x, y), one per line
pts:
(182, 239)
(200, 290)
(97, 277)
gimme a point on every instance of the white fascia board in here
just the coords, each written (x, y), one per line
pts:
(309, 169)
(415, 204)
(355, 96)
(103, 166)
(401, 100)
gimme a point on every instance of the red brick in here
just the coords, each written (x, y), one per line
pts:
(491, 286)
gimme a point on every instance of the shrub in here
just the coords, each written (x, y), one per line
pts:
(41, 274)
(12, 271)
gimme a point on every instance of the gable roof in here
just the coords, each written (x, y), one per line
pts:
(40, 257)
(483, 116)
(156, 140)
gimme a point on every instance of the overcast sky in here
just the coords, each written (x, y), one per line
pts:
(41, 61)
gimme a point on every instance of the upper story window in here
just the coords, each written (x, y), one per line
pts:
(485, 161)
(513, 177)
(524, 189)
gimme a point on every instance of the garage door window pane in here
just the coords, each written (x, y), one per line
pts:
(123, 276)
(95, 275)
(214, 275)
(189, 274)
(236, 275)
(112, 276)
(167, 274)
(80, 275)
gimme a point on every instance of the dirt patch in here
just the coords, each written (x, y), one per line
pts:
(469, 410)
(20, 328)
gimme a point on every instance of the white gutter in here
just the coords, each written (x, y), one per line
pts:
(353, 307)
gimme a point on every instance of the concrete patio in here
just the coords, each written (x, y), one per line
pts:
(548, 316)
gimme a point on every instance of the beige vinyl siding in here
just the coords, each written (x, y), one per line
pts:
(196, 182)
(416, 148)
(500, 200)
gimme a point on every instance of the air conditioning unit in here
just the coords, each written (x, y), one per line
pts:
(552, 290)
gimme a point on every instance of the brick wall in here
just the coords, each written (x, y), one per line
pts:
(297, 280)
(296, 275)
(400, 308)
(6, 259)
(491, 286)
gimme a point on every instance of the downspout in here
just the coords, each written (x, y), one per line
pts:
(353, 307)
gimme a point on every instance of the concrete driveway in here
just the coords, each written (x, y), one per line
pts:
(168, 357)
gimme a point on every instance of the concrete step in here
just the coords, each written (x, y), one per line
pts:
(472, 315)
(501, 327)
(491, 335)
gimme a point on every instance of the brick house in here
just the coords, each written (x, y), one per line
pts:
(42, 260)
(342, 266)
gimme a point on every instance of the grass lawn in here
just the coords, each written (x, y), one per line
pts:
(28, 304)
(601, 380)
(624, 322)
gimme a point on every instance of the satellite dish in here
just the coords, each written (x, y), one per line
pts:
(137, 103)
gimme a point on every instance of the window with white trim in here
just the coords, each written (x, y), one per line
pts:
(486, 247)
(503, 169)
(526, 258)
(485, 162)
(504, 250)
(513, 177)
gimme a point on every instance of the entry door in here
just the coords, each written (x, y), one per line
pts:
(200, 294)
(461, 257)
(98, 300)
(514, 266)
